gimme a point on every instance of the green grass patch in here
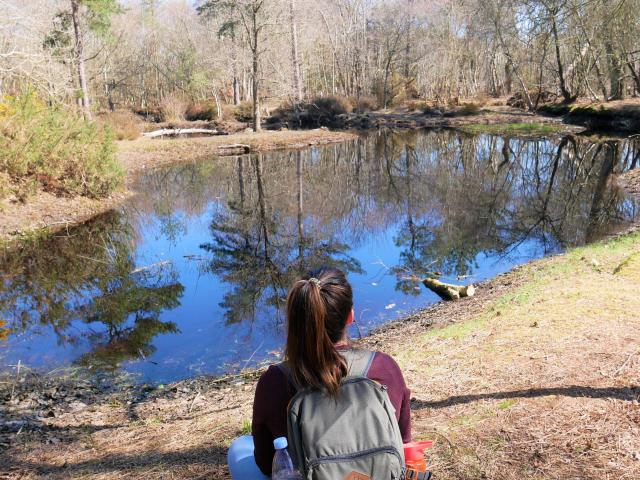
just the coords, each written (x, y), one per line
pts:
(246, 427)
(506, 404)
(515, 128)
(457, 331)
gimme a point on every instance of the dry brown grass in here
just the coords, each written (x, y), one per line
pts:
(125, 125)
(173, 108)
(536, 377)
(542, 382)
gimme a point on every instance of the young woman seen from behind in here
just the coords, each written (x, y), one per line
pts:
(319, 310)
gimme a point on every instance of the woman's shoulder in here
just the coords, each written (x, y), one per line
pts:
(274, 374)
(383, 365)
(385, 358)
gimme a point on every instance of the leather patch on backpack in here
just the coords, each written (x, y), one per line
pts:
(357, 476)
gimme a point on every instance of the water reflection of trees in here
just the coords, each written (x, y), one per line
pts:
(258, 248)
(89, 276)
(450, 197)
(489, 195)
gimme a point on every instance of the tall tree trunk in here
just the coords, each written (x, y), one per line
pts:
(634, 75)
(255, 50)
(616, 75)
(508, 78)
(256, 97)
(234, 66)
(566, 94)
(295, 62)
(78, 53)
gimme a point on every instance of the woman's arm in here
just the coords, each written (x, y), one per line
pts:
(385, 370)
(269, 415)
(404, 421)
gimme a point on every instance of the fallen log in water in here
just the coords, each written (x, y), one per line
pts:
(447, 291)
(179, 131)
(233, 149)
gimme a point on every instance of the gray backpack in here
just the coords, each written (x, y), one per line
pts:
(353, 436)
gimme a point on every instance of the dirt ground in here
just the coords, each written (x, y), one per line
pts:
(147, 153)
(54, 213)
(537, 377)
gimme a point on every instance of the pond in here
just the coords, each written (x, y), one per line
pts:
(190, 277)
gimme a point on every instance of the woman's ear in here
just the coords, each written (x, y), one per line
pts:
(350, 317)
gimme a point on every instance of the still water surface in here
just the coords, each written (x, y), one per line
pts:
(191, 276)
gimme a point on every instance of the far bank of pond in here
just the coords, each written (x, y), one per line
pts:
(190, 276)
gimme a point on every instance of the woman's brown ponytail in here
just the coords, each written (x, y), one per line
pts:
(317, 310)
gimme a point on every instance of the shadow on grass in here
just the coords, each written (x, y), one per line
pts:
(208, 461)
(620, 393)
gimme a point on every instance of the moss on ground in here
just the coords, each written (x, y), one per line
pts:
(523, 129)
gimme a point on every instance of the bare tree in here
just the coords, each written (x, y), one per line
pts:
(295, 62)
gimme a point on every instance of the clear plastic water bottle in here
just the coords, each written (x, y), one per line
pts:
(282, 467)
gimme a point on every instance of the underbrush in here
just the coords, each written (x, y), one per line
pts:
(318, 112)
(464, 110)
(603, 110)
(366, 104)
(202, 111)
(124, 124)
(173, 109)
(54, 149)
(242, 112)
(619, 116)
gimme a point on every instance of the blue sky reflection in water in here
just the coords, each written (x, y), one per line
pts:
(190, 277)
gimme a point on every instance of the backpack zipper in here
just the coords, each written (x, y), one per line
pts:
(352, 456)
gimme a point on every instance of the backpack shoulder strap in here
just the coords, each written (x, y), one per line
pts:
(358, 362)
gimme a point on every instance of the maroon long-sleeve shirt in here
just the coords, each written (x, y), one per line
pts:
(274, 392)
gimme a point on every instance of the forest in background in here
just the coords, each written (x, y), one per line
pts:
(208, 54)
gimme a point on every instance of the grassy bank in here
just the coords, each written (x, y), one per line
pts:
(535, 377)
(622, 115)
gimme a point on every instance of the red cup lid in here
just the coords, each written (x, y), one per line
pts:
(414, 451)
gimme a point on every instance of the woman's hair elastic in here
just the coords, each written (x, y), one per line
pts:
(314, 280)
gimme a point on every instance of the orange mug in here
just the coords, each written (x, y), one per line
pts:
(414, 458)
